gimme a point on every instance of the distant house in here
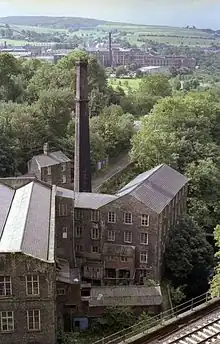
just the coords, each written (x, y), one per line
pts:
(52, 167)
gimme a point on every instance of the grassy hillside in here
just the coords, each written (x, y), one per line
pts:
(132, 33)
(54, 22)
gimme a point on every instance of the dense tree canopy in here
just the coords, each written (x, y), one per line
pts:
(215, 283)
(189, 257)
(150, 90)
(183, 131)
(37, 103)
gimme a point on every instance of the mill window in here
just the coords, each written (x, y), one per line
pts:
(63, 179)
(78, 231)
(111, 235)
(78, 214)
(128, 237)
(144, 238)
(32, 285)
(33, 320)
(124, 259)
(144, 220)
(61, 291)
(128, 218)
(63, 210)
(7, 321)
(143, 257)
(5, 286)
(94, 215)
(49, 170)
(65, 232)
(79, 248)
(111, 217)
(94, 249)
(95, 233)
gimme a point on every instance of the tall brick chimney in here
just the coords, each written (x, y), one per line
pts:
(82, 162)
(110, 49)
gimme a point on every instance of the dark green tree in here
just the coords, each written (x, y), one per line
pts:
(189, 257)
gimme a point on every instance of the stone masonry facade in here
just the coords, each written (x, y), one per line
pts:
(127, 247)
(27, 300)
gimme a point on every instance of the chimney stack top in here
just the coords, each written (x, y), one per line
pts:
(82, 62)
(46, 148)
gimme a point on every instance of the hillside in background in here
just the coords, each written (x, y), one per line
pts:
(53, 22)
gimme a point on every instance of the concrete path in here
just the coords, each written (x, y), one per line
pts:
(115, 165)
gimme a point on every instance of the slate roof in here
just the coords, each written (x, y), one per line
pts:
(52, 158)
(86, 200)
(27, 220)
(125, 295)
(155, 188)
(92, 200)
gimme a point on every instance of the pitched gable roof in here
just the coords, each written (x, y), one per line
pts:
(52, 158)
(86, 200)
(26, 221)
(156, 187)
(6, 197)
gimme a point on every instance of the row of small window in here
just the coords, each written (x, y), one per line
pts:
(143, 258)
(96, 249)
(49, 169)
(127, 217)
(32, 285)
(33, 321)
(63, 179)
(95, 235)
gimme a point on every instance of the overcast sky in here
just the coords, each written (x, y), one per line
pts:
(201, 13)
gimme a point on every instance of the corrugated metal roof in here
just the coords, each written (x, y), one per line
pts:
(27, 228)
(155, 188)
(52, 158)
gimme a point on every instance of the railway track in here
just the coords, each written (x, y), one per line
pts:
(204, 333)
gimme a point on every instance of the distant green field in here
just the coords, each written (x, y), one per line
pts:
(135, 34)
(154, 30)
(13, 41)
(124, 83)
(180, 40)
(164, 34)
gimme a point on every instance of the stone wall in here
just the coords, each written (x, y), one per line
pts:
(17, 266)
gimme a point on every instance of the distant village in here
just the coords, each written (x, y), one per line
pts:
(108, 54)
